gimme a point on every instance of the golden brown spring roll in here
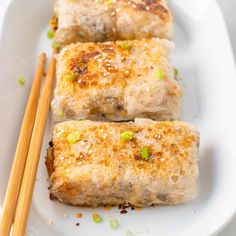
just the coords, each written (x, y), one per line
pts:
(141, 163)
(116, 81)
(109, 20)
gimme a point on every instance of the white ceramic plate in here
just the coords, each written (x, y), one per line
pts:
(204, 57)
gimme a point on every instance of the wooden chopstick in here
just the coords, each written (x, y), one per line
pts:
(27, 186)
(21, 152)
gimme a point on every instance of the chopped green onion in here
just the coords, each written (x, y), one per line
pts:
(97, 218)
(160, 74)
(114, 223)
(72, 138)
(144, 153)
(60, 114)
(176, 71)
(129, 233)
(55, 44)
(127, 135)
(50, 34)
(70, 76)
(126, 46)
(21, 80)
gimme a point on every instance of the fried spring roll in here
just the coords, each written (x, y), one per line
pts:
(116, 81)
(140, 163)
(108, 20)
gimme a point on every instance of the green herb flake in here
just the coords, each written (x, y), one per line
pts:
(21, 80)
(160, 74)
(114, 223)
(60, 114)
(176, 72)
(97, 218)
(70, 76)
(127, 135)
(72, 138)
(144, 153)
(126, 46)
(55, 44)
(50, 34)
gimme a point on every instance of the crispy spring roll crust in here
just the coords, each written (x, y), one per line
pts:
(116, 81)
(108, 20)
(101, 169)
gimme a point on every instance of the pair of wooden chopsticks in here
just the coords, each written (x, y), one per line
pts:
(24, 169)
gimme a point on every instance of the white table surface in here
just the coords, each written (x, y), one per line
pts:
(229, 10)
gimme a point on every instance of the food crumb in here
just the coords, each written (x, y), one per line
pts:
(79, 215)
(138, 208)
(107, 208)
(66, 215)
(123, 211)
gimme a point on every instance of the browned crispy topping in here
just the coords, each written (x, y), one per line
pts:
(153, 6)
(83, 58)
(163, 154)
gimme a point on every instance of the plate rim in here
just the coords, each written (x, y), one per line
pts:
(227, 43)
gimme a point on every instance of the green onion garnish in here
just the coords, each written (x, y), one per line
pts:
(70, 76)
(50, 34)
(60, 114)
(55, 44)
(160, 74)
(97, 218)
(114, 223)
(127, 135)
(126, 46)
(176, 71)
(72, 138)
(21, 80)
(144, 153)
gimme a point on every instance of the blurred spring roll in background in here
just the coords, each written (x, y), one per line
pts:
(116, 81)
(109, 20)
(141, 163)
